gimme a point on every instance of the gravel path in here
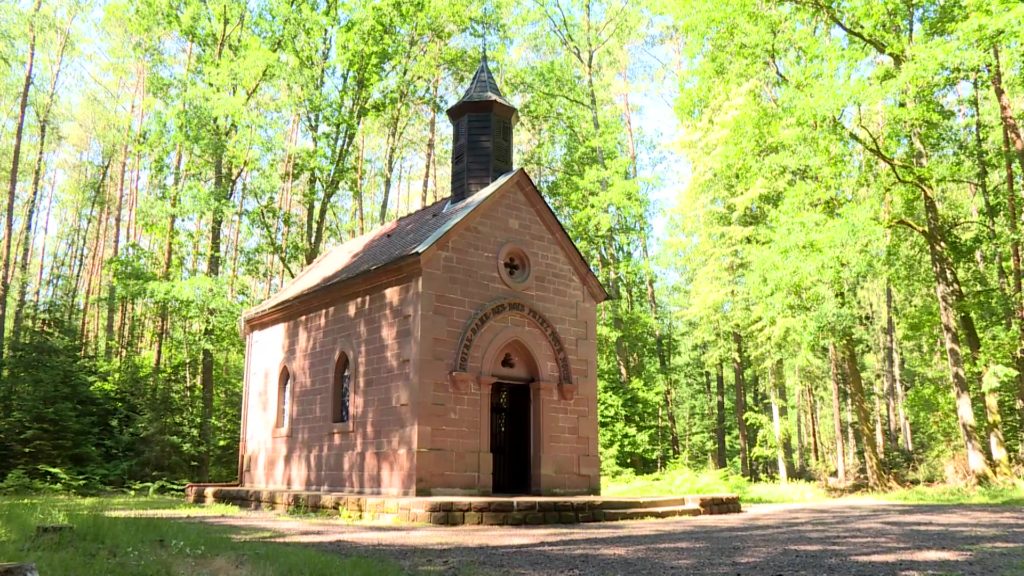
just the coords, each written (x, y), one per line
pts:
(840, 538)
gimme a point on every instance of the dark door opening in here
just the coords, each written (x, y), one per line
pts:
(510, 438)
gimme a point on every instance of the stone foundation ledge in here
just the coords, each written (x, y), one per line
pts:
(459, 510)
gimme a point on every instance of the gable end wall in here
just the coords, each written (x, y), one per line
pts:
(460, 275)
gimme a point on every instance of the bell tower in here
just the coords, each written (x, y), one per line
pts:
(482, 126)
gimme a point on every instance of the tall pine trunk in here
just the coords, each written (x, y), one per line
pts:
(221, 189)
(431, 137)
(12, 186)
(837, 413)
(44, 124)
(780, 421)
(720, 455)
(741, 403)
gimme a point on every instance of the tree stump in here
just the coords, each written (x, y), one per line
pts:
(18, 569)
(47, 529)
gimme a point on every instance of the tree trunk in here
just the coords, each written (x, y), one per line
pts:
(720, 456)
(997, 445)
(812, 413)
(901, 402)
(837, 414)
(221, 189)
(801, 442)
(945, 294)
(877, 477)
(852, 433)
(780, 424)
(359, 182)
(165, 271)
(389, 166)
(46, 234)
(1005, 109)
(877, 418)
(44, 123)
(12, 185)
(432, 132)
(1017, 296)
(116, 236)
(889, 366)
(741, 403)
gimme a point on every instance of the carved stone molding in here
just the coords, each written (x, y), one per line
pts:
(502, 307)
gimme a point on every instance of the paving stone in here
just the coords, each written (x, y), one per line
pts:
(439, 518)
(456, 518)
(461, 506)
(474, 518)
(567, 517)
(503, 506)
(551, 517)
(516, 518)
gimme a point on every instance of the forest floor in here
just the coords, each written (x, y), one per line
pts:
(839, 537)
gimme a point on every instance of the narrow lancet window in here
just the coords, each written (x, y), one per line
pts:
(284, 396)
(342, 389)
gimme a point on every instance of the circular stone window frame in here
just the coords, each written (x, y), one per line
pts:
(513, 250)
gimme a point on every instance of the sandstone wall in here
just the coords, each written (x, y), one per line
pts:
(375, 452)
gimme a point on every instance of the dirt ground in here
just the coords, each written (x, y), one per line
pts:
(838, 538)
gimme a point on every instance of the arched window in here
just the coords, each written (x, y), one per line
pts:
(341, 391)
(284, 398)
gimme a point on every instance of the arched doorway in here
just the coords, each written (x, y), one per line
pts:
(511, 433)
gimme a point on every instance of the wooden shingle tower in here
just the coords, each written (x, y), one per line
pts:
(482, 125)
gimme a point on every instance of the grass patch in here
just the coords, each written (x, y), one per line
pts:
(1004, 495)
(115, 536)
(682, 481)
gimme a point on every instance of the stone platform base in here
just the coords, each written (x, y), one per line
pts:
(458, 510)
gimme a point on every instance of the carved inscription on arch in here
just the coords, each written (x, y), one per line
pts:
(502, 307)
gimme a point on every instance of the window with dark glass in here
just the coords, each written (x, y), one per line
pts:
(342, 390)
(284, 394)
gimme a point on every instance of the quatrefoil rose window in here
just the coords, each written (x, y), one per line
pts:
(514, 266)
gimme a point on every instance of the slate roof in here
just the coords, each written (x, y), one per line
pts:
(409, 235)
(482, 87)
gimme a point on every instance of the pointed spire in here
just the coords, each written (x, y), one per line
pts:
(483, 87)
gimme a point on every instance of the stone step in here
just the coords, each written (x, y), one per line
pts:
(654, 512)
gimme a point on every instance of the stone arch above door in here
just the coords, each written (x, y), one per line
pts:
(531, 334)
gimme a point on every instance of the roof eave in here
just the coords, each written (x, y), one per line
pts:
(305, 301)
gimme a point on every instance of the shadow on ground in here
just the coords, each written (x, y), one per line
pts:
(838, 539)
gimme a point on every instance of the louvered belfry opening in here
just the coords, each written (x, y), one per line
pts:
(482, 127)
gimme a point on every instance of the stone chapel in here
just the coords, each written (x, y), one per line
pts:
(450, 352)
